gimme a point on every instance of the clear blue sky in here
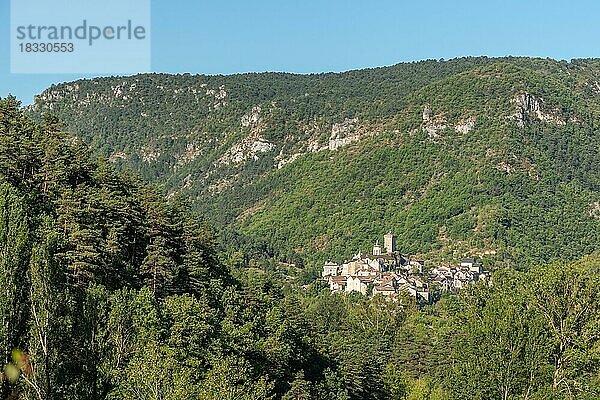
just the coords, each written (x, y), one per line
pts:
(226, 36)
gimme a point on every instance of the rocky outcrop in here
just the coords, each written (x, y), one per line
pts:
(314, 145)
(149, 154)
(219, 95)
(593, 86)
(427, 113)
(465, 125)
(260, 146)
(343, 133)
(433, 124)
(121, 93)
(117, 155)
(530, 106)
(249, 148)
(253, 118)
(505, 167)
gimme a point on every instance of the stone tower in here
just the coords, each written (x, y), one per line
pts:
(389, 242)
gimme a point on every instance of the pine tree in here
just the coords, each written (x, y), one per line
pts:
(14, 257)
(300, 389)
(16, 147)
(162, 264)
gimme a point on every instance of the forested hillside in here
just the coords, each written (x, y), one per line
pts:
(489, 157)
(111, 292)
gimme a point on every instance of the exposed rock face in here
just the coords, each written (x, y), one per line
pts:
(343, 128)
(48, 99)
(529, 105)
(219, 95)
(465, 126)
(427, 113)
(434, 125)
(335, 144)
(149, 154)
(253, 118)
(117, 155)
(343, 134)
(187, 181)
(260, 146)
(249, 148)
(314, 145)
(594, 85)
(121, 93)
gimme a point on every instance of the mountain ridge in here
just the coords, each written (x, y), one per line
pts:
(323, 163)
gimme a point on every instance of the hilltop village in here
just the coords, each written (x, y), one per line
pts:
(389, 273)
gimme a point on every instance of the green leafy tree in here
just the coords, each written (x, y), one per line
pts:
(233, 379)
(502, 347)
(568, 300)
(45, 313)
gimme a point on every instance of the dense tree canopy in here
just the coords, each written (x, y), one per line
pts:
(519, 186)
(110, 291)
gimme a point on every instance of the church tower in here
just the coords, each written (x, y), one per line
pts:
(377, 249)
(389, 242)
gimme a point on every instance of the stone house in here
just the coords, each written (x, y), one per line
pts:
(337, 283)
(330, 269)
(358, 284)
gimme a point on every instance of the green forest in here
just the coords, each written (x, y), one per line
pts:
(154, 246)
(110, 292)
(518, 187)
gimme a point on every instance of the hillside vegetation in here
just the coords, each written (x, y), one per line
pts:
(495, 158)
(110, 291)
